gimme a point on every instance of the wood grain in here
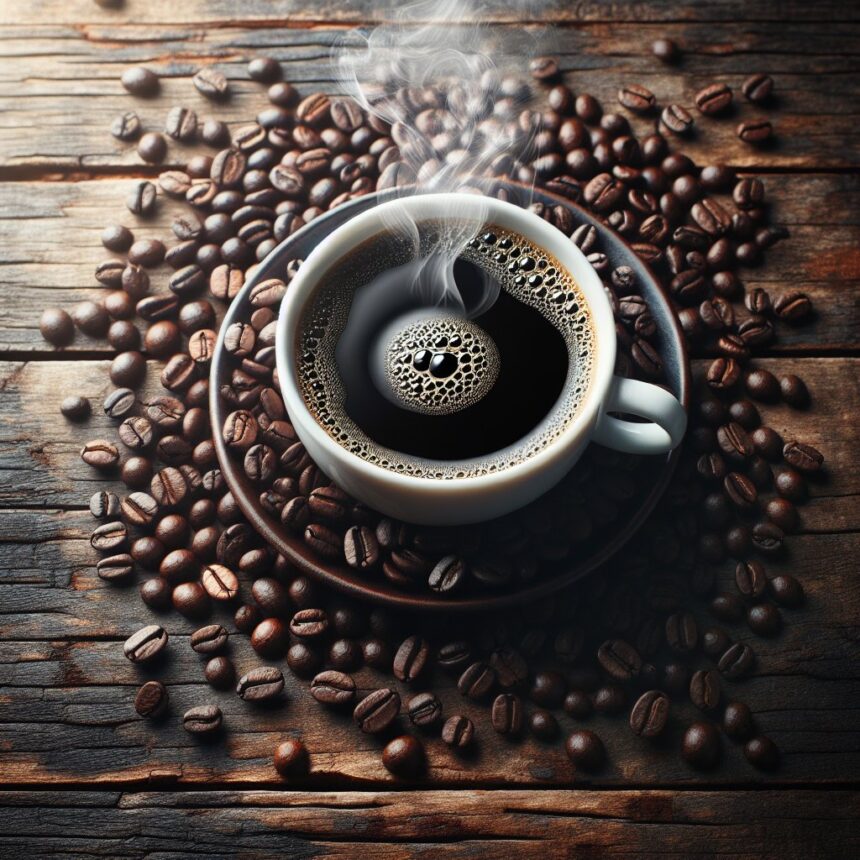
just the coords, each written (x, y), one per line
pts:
(770, 825)
(47, 66)
(50, 246)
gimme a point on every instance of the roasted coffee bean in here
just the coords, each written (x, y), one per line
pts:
(220, 673)
(264, 69)
(682, 632)
(75, 407)
(764, 619)
(404, 756)
(740, 490)
(676, 119)
(786, 590)
(736, 661)
(637, 98)
(578, 705)
(267, 293)
(619, 659)
(360, 546)
(100, 454)
(271, 596)
(705, 689)
(270, 638)
(476, 681)
(141, 199)
(548, 689)
(713, 99)
(240, 430)
(169, 487)
(376, 711)
(57, 326)
(152, 148)
(139, 509)
(723, 374)
(125, 127)
(738, 721)
(762, 385)
(210, 639)
(323, 541)
(309, 623)
(701, 746)
(585, 749)
(146, 644)
(140, 81)
(755, 131)
(448, 575)
(508, 714)
(767, 538)
(727, 607)
(750, 579)
(411, 659)
(115, 568)
(762, 752)
(458, 732)
(155, 593)
(191, 600)
(151, 700)
(758, 88)
(665, 50)
(262, 684)
(136, 473)
(803, 457)
(211, 83)
(220, 582)
(202, 720)
(425, 710)
(650, 714)
(291, 759)
(329, 503)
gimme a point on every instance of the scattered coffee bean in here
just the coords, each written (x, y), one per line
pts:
(202, 720)
(292, 759)
(140, 81)
(333, 688)
(261, 684)
(75, 407)
(220, 673)
(404, 756)
(145, 645)
(585, 749)
(151, 700)
(376, 711)
(701, 746)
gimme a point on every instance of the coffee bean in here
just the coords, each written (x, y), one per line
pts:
(476, 681)
(220, 673)
(141, 199)
(665, 50)
(140, 81)
(151, 700)
(152, 148)
(637, 98)
(202, 720)
(705, 689)
(762, 385)
(155, 593)
(682, 632)
(210, 639)
(767, 538)
(100, 454)
(758, 88)
(139, 509)
(425, 710)
(404, 756)
(727, 607)
(323, 541)
(145, 645)
(57, 327)
(376, 711)
(736, 661)
(220, 582)
(764, 619)
(738, 721)
(585, 749)
(676, 119)
(803, 457)
(757, 131)
(786, 590)
(458, 732)
(723, 374)
(740, 490)
(762, 752)
(75, 407)
(701, 746)
(333, 688)
(619, 659)
(650, 714)
(262, 684)
(267, 293)
(548, 689)
(360, 546)
(211, 83)
(191, 600)
(508, 714)
(411, 659)
(713, 99)
(169, 487)
(309, 623)
(115, 568)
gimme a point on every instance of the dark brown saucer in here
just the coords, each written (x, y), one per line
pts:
(339, 576)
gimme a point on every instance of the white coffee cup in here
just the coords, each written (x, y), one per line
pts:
(450, 501)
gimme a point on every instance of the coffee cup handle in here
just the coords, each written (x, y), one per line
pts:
(662, 433)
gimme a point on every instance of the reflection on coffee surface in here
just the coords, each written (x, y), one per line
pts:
(427, 392)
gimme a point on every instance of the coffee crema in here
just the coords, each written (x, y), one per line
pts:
(539, 326)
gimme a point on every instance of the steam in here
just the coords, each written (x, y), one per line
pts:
(454, 119)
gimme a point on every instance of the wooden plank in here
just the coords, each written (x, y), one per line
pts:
(40, 461)
(772, 825)
(49, 248)
(265, 12)
(49, 68)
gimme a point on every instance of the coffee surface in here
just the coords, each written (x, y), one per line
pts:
(539, 326)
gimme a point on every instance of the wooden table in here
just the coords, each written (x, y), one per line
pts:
(83, 776)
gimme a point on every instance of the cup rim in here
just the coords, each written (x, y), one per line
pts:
(363, 226)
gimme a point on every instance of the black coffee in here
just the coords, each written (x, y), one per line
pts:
(463, 397)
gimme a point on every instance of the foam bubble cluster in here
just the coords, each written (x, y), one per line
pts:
(440, 364)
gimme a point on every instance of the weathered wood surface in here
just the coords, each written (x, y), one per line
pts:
(769, 825)
(49, 248)
(262, 13)
(45, 66)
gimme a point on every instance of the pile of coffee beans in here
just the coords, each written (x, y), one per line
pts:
(652, 636)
